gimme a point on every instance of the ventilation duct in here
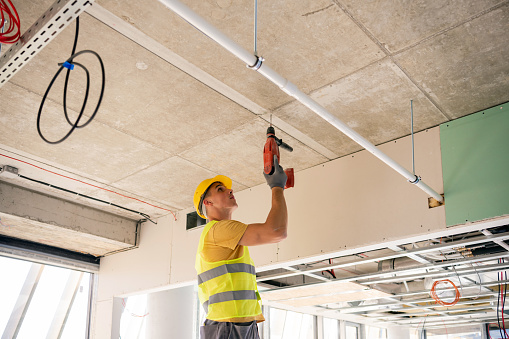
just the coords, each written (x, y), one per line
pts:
(396, 264)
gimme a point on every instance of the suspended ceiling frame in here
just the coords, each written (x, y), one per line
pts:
(416, 305)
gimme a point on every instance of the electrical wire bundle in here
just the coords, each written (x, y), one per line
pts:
(331, 271)
(9, 23)
(437, 298)
(501, 302)
(69, 65)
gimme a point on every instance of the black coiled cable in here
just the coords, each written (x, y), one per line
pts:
(69, 64)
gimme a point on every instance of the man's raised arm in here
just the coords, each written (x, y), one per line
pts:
(274, 229)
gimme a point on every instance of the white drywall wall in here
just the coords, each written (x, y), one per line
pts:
(139, 270)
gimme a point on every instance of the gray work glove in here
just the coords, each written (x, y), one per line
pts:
(278, 178)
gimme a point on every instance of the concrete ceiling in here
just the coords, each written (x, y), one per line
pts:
(161, 128)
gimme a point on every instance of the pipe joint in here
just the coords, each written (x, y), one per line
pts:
(258, 63)
(416, 181)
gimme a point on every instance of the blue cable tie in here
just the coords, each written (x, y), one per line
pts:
(68, 65)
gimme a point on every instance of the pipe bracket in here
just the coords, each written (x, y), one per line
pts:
(258, 63)
(416, 181)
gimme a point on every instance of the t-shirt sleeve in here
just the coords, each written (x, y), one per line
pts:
(227, 233)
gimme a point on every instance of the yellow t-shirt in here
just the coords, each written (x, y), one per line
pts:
(222, 243)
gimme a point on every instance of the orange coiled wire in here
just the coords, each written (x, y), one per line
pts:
(440, 301)
(9, 33)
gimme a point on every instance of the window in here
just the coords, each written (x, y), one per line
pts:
(194, 220)
(330, 328)
(133, 319)
(352, 331)
(168, 313)
(462, 332)
(376, 332)
(43, 301)
(290, 325)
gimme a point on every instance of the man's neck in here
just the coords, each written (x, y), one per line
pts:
(220, 216)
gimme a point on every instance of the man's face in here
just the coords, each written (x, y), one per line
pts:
(220, 196)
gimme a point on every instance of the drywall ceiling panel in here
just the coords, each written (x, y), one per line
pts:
(417, 19)
(245, 164)
(464, 70)
(322, 294)
(90, 150)
(145, 96)
(475, 159)
(334, 287)
(173, 180)
(286, 32)
(320, 300)
(374, 102)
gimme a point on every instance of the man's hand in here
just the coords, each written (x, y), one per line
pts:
(278, 178)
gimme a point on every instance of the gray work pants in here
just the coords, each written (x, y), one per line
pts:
(226, 330)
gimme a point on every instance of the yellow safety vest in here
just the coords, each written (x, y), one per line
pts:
(227, 289)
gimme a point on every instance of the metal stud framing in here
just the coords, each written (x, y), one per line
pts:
(478, 303)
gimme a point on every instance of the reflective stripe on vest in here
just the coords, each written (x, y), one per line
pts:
(224, 269)
(229, 296)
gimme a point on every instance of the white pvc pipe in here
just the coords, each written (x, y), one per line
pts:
(206, 28)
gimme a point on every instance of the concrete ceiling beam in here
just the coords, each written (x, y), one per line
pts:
(37, 217)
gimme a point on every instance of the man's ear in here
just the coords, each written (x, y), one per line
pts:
(207, 202)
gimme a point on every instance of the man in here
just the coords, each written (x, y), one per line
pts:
(226, 273)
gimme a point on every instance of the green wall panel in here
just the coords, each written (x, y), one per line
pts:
(475, 165)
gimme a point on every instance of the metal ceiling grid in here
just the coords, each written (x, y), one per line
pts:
(470, 262)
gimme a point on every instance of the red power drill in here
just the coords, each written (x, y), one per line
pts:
(270, 149)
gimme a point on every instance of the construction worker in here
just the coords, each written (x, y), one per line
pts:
(226, 273)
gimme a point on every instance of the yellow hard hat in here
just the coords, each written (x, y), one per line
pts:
(202, 188)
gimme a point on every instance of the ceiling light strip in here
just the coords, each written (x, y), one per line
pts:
(39, 35)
